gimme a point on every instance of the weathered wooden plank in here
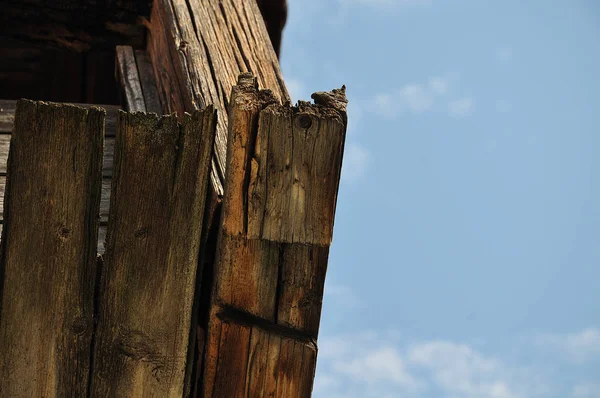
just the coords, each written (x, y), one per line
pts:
(148, 82)
(151, 256)
(127, 75)
(199, 48)
(301, 282)
(7, 116)
(282, 177)
(294, 176)
(49, 250)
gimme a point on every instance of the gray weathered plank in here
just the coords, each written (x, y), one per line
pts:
(151, 254)
(49, 250)
(148, 82)
(127, 75)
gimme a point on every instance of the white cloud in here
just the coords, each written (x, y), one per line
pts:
(460, 107)
(378, 365)
(438, 85)
(586, 390)
(342, 296)
(459, 370)
(360, 365)
(417, 98)
(579, 347)
(355, 163)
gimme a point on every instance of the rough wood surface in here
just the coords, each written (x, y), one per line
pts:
(7, 117)
(199, 48)
(49, 250)
(283, 171)
(127, 74)
(148, 82)
(151, 257)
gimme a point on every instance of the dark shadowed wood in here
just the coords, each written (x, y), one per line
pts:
(148, 82)
(127, 75)
(75, 24)
(151, 255)
(199, 48)
(49, 250)
(283, 171)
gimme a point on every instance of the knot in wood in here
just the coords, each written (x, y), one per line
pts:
(304, 121)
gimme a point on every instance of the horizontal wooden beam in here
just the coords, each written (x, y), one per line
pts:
(76, 25)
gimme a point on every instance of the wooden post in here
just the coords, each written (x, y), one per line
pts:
(283, 170)
(157, 202)
(199, 48)
(48, 258)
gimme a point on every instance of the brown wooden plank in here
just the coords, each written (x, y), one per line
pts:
(283, 170)
(7, 116)
(148, 82)
(299, 208)
(151, 254)
(301, 282)
(104, 199)
(127, 75)
(198, 50)
(49, 250)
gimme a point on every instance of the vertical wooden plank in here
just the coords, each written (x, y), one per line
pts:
(283, 170)
(301, 284)
(49, 250)
(128, 77)
(148, 82)
(151, 257)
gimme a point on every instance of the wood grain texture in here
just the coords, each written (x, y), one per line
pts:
(198, 49)
(148, 82)
(151, 256)
(129, 79)
(49, 250)
(8, 107)
(282, 178)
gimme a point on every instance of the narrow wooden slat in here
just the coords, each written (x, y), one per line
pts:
(199, 48)
(49, 250)
(283, 171)
(151, 254)
(127, 75)
(148, 82)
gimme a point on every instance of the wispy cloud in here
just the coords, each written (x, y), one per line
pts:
(460, 107)
(372, 364)
(417, 98)
(459, 370)
(413, 97)
(355, 163)
(438, 85)
(579, 346)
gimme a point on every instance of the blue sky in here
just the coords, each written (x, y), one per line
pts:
(466, 261)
